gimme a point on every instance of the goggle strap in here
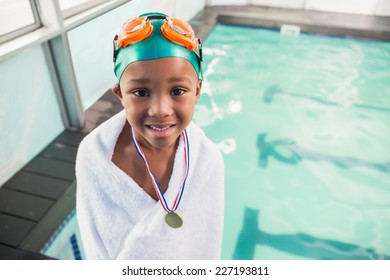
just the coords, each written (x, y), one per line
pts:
(156, 17)
(200, 49)
(115, 48)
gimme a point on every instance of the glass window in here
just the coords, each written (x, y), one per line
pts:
(17, 17)
(72, 7)
(30, 117)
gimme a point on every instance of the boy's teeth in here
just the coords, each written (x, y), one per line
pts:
(159, 128)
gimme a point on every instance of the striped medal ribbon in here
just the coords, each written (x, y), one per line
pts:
(171, 218)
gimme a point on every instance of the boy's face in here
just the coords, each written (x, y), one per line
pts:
(159, 97)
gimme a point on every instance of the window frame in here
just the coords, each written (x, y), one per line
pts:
(67, 13)
(27, 29)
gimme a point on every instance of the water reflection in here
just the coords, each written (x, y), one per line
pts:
(297, 153)
(299, 244)
(273, 90)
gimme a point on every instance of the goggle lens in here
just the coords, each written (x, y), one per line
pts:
(134, 25)
(180, 32)
(178, 29)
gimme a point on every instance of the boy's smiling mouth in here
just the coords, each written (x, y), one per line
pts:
(160, 127)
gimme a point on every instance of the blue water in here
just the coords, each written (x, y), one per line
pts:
(304, 126)
(66, 242)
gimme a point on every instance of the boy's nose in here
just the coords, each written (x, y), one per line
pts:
(160, 106)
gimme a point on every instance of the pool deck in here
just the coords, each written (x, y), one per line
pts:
(338, 24)
(35, 201)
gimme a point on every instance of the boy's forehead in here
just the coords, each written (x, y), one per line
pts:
(162, 67)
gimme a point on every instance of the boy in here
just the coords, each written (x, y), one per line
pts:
(150, 184)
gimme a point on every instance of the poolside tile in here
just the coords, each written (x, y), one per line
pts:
(11, 253)
(23, 205)
(13, 229)
(96, 117)
(51, 167)
(36, 184)
(71, 138)
(60, 151)
(46, 227)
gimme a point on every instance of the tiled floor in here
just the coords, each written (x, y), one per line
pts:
(39, 197)
(29, 196)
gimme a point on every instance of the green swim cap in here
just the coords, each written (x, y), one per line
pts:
(154, 47)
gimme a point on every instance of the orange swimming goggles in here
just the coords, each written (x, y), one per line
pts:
(175, 30)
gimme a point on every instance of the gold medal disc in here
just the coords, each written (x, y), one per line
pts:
(173, 220)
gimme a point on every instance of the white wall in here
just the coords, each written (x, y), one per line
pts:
(344, 6)
(292, 4)
(184, 9)
(227, 2)
(382, 8)
(368, 7)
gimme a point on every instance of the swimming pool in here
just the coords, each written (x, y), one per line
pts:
(303, 123)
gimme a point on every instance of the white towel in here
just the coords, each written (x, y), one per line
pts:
(118, 220)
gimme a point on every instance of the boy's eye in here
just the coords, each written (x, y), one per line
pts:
(140, 93)
(178, 91)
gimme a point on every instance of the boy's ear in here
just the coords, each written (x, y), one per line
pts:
(117, 91)
(198, 89)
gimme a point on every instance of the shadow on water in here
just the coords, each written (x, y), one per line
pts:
(298, 153)
(299, 244)
(274, 90)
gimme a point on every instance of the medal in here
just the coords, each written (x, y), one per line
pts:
(171, 218)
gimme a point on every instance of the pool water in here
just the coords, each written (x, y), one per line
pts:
(304, 125)
(65, 244)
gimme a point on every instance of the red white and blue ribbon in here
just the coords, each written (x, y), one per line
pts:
(154, 181)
